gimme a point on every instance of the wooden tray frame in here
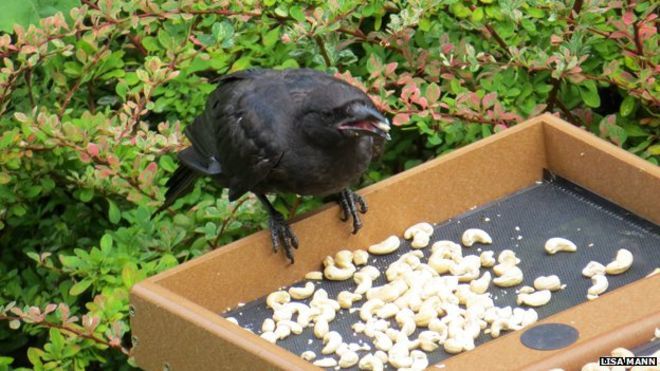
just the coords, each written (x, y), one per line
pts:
(174, 315)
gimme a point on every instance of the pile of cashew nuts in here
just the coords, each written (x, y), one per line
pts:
(445, 296)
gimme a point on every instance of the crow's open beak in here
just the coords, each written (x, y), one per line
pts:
(366, 121)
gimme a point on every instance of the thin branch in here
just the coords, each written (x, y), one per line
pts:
(324, 52)
(28, 82)
(76, 86)
(81, 334)
(228, 219)
(500, 41)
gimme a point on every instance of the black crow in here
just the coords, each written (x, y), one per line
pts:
(295, 131)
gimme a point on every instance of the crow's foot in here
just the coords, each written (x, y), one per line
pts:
(348, 200)
(281, 234)
(280, 231)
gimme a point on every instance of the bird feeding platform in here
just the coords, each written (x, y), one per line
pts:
(175, 317)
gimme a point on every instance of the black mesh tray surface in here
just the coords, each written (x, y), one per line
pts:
(522, 222)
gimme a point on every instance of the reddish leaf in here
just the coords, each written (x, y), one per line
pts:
(489, 99)
(619, 35)
(50, 308)
(554, 39)
(93, 149)
(84, 157)
(447, 48)
(400, 119)
(628, 18)
(390, 68)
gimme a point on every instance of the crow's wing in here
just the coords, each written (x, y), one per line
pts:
(238, 133)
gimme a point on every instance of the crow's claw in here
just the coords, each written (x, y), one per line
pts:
(280, 231)
(347, 201)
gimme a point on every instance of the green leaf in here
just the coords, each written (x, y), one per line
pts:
(477, 15)
(654, 150)
(6, 361)
(627, 106)
(129, 275)
(297, 13)
(80, 287)
(167, 163)
(271, 37)
(34, 355)
(589, 94)
(106, 243)
(114, 215)
(56, 339)
(460, 10)
(86, 194)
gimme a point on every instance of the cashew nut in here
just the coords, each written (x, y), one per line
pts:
(268, 325)
(314, 275)
(325, 362)
(453, 345)
(622, 352)
(621, 263)
(269, 337)
(332, 340)
(420, 240)
(508, 257)
(479, 286)
(308, 355)
(348, 359)
(335, 273)
(282, 331)
(556, 244)
(511, 277)
(447, 249)
(406, 320)
(300, 293)
(295, 327)
(277, 298)
(360, 257)
(440, 264)
(473, 235)
(431, 340)
(321, 328)
(424, 228)
(389, 245)
(367, 310)
(371, 362)
(382, 341)
(388, 310)
(593, 268)
(487, 258)
(535, 299)
(419, 360)
(551, 283)
(346, 299)
(599, 285)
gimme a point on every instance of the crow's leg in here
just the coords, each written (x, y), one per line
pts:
(280, 232)
(348, 200)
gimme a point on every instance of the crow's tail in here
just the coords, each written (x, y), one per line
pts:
(180, 184)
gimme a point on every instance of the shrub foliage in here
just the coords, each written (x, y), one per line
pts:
(93, 100)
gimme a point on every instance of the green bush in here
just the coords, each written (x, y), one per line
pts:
(93, 101)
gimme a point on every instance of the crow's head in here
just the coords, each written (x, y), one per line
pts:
(337, 111)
